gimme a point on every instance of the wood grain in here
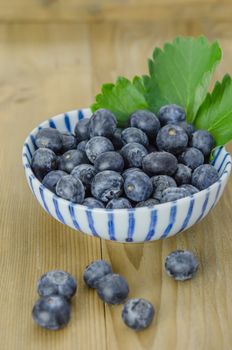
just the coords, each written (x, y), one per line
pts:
(49, 68)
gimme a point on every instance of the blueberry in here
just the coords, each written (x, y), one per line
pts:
(43, 161)
(138, 186)
(112, 289)
(81, 146)
(91, 203)
(52, 312)
(188, 128)
(70, 188)
(174, 193)
(109, 161)
(57, 282)
(148, 203)
(84, 172)
(181, 265)
(49, 138)
(145, 121)
(183, 174)
(96, 146)
(82, 130)
(133, 154)
(107, 185)
(160, 163)
(129, 171)
(192, 157)
(172, 138)
(192, 189)
(138, 313)
(102, 123)
(69, 141)
(95, 271)
(50, 180)
(70, 159)
(130, 135)
(204, 176)
(119, 203)
(204, 141)
(171, 114)
(116, 139)
(160, 183)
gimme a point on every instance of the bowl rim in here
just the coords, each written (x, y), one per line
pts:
(28, 170)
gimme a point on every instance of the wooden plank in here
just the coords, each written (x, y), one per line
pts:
(95, 11)
(191, 315)
(44, 70)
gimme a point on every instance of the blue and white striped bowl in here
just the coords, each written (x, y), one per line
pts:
(124, 225)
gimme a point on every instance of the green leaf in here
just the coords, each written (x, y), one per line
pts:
(215, 114)
(122, 98)
(181, 74)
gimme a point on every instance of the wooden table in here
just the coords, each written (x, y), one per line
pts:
(52, 61)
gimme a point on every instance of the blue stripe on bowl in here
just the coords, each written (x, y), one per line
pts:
(172, 219)
(43, 199)
(52, 124)
(28, 149)
(152, 226)
(91, 222)
(225, 172)
(188, 216)
(223, 161)
(33, 140)
(73, 217)
(111, 229)
(25, 155)
(204, 206)
(217, 154)
(67, 122)
(31, 185)
(57, 209)
(131, 226)
(80, 114)
(217, 194)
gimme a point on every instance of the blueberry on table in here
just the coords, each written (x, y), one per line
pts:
(204, 141)
(70, 159)
(70, 188)
(188, 128)
(119, 203)
(183, 174)
(192, 189)
(131, 134)
(148, 203)
(172, 138)
(160, 163)
(133, 154)
(102, 123)
(181, 265)
(138, 186)
(49, 138)
(97, 145)
(52, 312)
(50, 180)
(107, 185)
(109, 161)
(129, 171)
(160, 183)
(204, 176)
(81, 146)
(116, 139)
(174, 193)
(43, 161)
(95, 271)
(112, 289)
(138, 313)
(82, 130)
(171, 114)
(145, 121)
(92, 202)
(57, 282)
(69, 141)
(84, 172)
(192, 157)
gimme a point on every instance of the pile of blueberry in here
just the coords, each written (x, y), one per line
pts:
(156, 159)
(56, 288)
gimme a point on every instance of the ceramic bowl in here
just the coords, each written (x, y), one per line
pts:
(124, 225)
